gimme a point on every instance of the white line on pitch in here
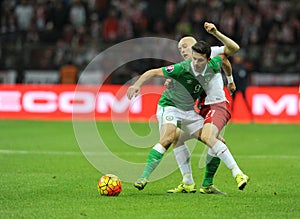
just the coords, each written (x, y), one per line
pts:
(74, 153)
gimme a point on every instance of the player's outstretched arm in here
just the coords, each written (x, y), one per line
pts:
(134, 90)
(226, 66)
(231, 47)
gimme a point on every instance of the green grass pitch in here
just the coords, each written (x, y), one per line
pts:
(43, 174)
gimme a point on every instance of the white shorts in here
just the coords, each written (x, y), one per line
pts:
(188, 121)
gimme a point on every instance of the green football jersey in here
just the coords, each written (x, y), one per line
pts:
(186, 86)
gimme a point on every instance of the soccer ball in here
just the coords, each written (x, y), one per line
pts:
(109, 185)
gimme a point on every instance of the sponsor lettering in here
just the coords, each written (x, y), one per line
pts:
(264, 103)
(66, 102)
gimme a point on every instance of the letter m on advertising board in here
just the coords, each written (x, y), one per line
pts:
(274, 104)
(263, 102)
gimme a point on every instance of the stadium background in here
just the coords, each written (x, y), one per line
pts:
(43, 50)
(51, 42)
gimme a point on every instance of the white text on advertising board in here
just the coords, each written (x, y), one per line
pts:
(66, 102)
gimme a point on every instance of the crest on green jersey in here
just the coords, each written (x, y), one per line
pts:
(169, 118)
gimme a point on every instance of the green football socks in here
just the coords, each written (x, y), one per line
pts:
(212, 164)
(153, 160)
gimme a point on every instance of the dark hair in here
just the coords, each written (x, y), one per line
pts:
(202, 47)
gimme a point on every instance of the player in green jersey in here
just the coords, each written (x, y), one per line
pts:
(176, 103)
(216, 111)
(181, 151)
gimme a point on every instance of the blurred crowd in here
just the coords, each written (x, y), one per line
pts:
(46, 34)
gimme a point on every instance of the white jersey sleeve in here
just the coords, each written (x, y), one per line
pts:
(214, 91)
(216, 50)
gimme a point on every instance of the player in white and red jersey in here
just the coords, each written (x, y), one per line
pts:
(181, 151)
(213, 106)
(193, 75)
(201, 64)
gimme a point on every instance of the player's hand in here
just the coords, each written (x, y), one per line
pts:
(133, 91)
(210, 28)
(231, 87)
(168, 83)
